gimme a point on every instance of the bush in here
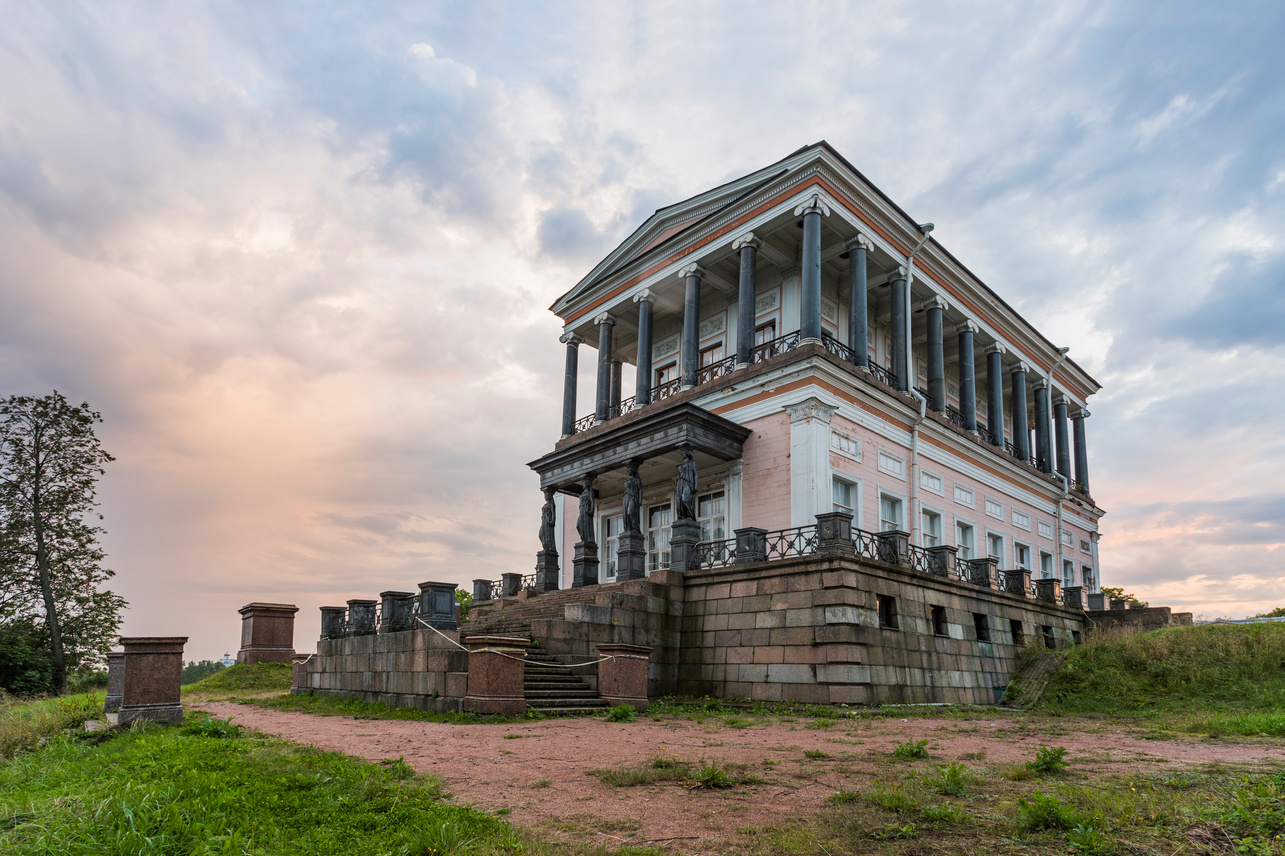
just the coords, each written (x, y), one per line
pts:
(25, 666)
(621, 713)
(205, 725)
(1042, 811)
(911, 750)
(1049, 762)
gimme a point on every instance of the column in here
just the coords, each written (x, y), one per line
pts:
(1043, 443)
(858, 301)
(642, 386)
(967, 375)
(617, 369)
(933, 309)
(691, 324)
(1021, 430)
(809, 460)
(606, 324)
(572, 342)
(810, 273)
(1081, 450)
(898, 323)
(748, 246)
(995, 391)
(1063, 440)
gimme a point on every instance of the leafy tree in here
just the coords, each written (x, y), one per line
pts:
(1278, 612)
(51, 571)
(25, 667)
(465, 600)
(1119, 594)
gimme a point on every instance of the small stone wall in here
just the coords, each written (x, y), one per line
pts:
(407, 668)
(1138, 619)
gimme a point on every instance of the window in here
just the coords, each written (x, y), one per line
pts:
(1021, 556)
(1046, 530)
(928, 481)
(994, 508)
(665, 374)
(931, 528)
(1046, 565)
(939, 621)
(982, 626)
(845, 444)
(1021, 520)
(1085, 546)
(1050, 641)
(1087, 575)
(711, 510)
(1075, 637)
(995, 547)
(887, 611)
(659, 519)
(889, 513)
(713, 354)
(1016, 631)
(845, 496)
(964, 496)
(610, 540)
(1068, 573)
(964, 540)
(764, 333)
(1067, 540)
(891, 464)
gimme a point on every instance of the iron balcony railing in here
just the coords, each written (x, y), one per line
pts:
(787, 543)
(987, 435)
(714, 371)
(716, 554)
(776, 347)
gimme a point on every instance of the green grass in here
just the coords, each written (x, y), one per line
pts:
(256, 677)
(337, 706)
(24, 724)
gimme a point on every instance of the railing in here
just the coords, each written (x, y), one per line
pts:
(497, 589)
(665, 390)
(528, 582)
(584, 423)
(932, 401)
(987, 435)
(716, 554)
(865, 543)
(1013, 451)
(776, 347)
(839, 349)
(786, 543)
(956, 418)
(629, 405)
(923, 561)
(714, 371)
(883, 375)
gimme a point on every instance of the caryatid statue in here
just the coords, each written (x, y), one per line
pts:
(548, 517)
(633, 500)
(687, 486)
(584, 523)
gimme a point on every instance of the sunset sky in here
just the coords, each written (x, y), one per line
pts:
(300, 255)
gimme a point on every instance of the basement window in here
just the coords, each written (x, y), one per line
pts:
(1015, 628)
(1050, 641)
(887, 611)
(1075, 637)
(982, 625)
(939, 621)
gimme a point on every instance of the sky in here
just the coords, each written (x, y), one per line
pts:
(299, 255)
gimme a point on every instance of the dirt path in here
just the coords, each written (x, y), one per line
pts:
(542, 773)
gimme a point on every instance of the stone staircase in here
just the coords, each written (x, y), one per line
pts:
(515, 618)
(552, 689)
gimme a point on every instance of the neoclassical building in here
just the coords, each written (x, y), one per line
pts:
(808, 348)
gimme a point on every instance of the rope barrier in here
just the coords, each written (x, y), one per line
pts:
(440, 633)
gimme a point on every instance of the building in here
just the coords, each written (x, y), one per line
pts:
(793, 306)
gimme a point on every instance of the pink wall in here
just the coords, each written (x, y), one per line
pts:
(765, 473)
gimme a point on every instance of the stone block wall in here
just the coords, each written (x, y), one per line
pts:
(1138, 620)
(408, 668)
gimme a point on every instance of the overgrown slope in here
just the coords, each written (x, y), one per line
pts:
(257, 677)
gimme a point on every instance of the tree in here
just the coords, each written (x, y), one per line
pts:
(51, 572)
(1119, 594)
(1278, 612)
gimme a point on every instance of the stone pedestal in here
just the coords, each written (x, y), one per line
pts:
(548, 575)
(1073, 597)
(751, 545)
(115, 680)
(334, 622)
(481, 590)
(894, 547)
(510, 584)
(298, 671)
(267, 633)
(834, 531)
(1099, 602)
(585, 565)
(984, 573)
(941, 561)
(631, 557)
(437, 605)
(683, 555)
(1018, 582)
(1049, 591)
(395, 611)
(623, 679)
(153, 671)
(1119, 603)
(496, 671)
(361, 617)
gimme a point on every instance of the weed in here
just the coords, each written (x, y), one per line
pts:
(1089, 840)
(891, 797)
(622, 713)
(711, 776)
(444, 838)
(23, 726)
(952, 780)
(816, 754)
(911, 750)
(205, 725)
(1043, 811)
(943, 814)
(541, 783)
(893, 832)
(514, 736)
(1050, 761)
(737, 722)
(839, 797)
(820, 724)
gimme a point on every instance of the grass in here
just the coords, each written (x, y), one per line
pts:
(358, 709)
(23, 724)
(243, 677)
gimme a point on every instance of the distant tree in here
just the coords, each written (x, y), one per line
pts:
(465, 600)
(51, 571)
(194, 671)
(1119, 594)
(1278, 612)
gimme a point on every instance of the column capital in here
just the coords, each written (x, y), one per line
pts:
(935, 302)
(644, 294)
(1021, 366)
(747, 240)
(811, 408)
(860, 242)
(692, 269)
(604, 318)
(901, 272)
(814, 203)
(967, 326)
(1079, 413)
(1041, 382)
(996, 348)
(569, 338)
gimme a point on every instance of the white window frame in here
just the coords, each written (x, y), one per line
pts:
(925, 510)
(701, 520)
(838, 437)
(647, 536)
(1021, 520)
(897, 472)
(972, 527)
(901, 498)
(1047, 573)
(1068, 539)
(1003, 546)
(998, 512)
(855, 484)
(607, 556)
(965, 496)
(1044, 529)
(925, 479)
(1086, 546)
(1068, 563)
(1029, 553)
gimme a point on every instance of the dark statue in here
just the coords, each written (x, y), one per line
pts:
(584, 523)
(687, 486)
(633, 501)
(548, 517)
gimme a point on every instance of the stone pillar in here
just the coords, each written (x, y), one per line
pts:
(751, 545)
(898, 322)
(1043, 444)
(941, 560)
(153, 672)
(481, 590)
(809, 460)
(606, 324)
(584, 563)
(617, 371)
(437, 605)
(691, 359)
(1073, 598)
(642, 383)
(1049, 591)
(1081, 450)
(334, 622)
(858, 301)
(893, 547)
(623, 678)
(510, 584)
(967, 375)
(396, 611)
(1063, 440)
(361, 617)
(115, 680)
(1018, 582)
(572, 342)
(267, 633)
(995, 391)
(496, 671)
(834, 531)
(1021, 429)
(810, 269)
(683, 538)
(984, 572)
(748, 246)
(933, 309)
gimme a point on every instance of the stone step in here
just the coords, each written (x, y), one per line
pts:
(562, 696)
(564, 704)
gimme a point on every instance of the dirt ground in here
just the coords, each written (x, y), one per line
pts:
(541, 771)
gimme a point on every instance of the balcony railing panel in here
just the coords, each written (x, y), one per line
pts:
(714, 371)
(716, 554)
(786, 543)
